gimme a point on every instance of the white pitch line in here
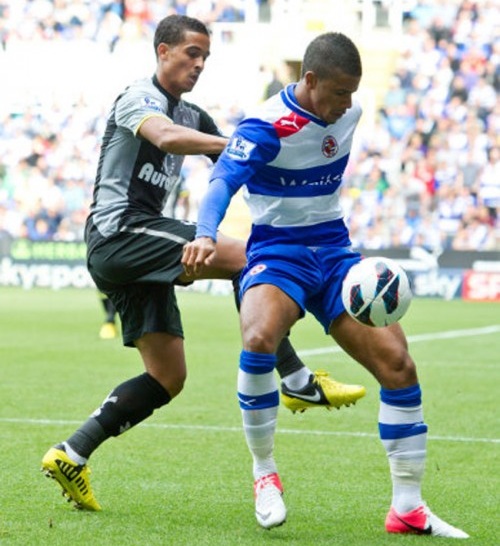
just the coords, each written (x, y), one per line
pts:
(451, 334)
(217, 428)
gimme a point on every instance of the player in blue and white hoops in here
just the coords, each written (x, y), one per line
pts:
(290, 156)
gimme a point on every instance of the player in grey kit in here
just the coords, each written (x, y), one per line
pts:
(134, 252)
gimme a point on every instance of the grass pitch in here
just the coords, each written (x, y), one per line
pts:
(184, 476)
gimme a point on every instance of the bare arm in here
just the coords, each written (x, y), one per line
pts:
(176, 139)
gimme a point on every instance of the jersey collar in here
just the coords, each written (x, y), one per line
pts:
(289, 98)
(171, 99)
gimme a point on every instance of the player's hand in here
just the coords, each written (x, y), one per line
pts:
(197, 254)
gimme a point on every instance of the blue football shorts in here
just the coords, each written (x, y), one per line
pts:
(311, 276)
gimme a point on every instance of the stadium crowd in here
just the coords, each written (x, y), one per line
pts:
(427, 174)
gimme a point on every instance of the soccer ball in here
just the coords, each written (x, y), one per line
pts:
(376, 291)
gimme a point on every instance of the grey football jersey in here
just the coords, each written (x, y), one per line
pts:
(135, 177)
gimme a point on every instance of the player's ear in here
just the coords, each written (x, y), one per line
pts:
(310, 79)
(162, 51)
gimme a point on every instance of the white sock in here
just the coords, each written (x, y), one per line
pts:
(259, 398)
(297, 380)
(406, 483)
(73, 455)
(259, 427)
(404, 436)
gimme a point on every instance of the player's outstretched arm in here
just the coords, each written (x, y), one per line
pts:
(198, 253)
(176, 139)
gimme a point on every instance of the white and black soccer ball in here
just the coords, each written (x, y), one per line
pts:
(376, 291)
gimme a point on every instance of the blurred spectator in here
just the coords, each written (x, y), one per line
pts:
(482, 98)
(109, 21)
(41, 224)
(274, 86)
(489, 181)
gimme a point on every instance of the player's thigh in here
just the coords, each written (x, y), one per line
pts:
(229, 254)
(327, 304)
(146, 308)
(382, 351)
(266, 315)
(148, 249)
(274, 286)
(228, 260)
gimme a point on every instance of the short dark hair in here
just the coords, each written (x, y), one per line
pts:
(330, 52)
(171, 29)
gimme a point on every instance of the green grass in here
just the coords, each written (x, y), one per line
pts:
(184, 476)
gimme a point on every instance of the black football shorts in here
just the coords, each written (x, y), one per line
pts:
(137, 269)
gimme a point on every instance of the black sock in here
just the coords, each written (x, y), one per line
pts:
(87, 438)
(236, 289)
(288, 360)
(126, 406)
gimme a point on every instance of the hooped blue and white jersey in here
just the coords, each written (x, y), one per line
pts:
(291, 165)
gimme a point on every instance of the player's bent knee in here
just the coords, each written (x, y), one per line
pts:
(174, 382)
(399, 371)
(256, 341)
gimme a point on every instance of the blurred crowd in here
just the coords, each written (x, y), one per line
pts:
(427, 174)
(103, 20)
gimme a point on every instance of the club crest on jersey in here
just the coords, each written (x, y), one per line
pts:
(239, 148)
(256, 269)
(329, 146)
(151, 104)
